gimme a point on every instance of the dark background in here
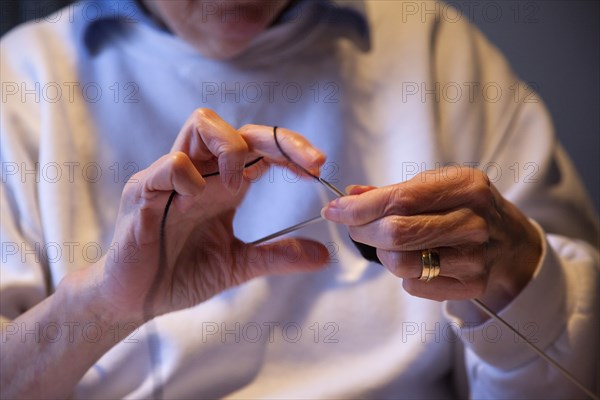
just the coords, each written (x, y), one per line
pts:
(554, 45)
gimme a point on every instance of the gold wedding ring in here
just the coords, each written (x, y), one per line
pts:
(430, 259)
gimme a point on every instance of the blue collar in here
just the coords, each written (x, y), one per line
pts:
(90, 17)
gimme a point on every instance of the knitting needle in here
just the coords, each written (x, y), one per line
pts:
(287, 230)
(476, 302)
(536, 349)
(330, 186)
(303, 224)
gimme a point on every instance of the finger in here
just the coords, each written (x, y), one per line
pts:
(145, 194)
(425, 193)
(261, 141)
(174, 171)
(205, 136)
(462, 263)
(414, 232)
(171, 172)
(445, 288)
(285, 256)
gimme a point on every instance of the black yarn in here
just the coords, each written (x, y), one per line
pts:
(368, 252)
(251, 163)
(162, 261)
(286, 155)
(148, 311)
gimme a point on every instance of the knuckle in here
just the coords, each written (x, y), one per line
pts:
(178, 162)
(178, 157)
(393, 261)
(389, 226)
(239, 147)
(485, 180)
(394, 230)
(387, 260)
(146, 209)
(132, 188)
(201, 114)
(479, 231)
(201, 125)
(397, 201)
(248, 128)
(223, 148)
(481, 191)
(234, 146)
(402, 230)
(232, 149)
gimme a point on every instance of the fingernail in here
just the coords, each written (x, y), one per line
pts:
(316, 154)
(324, 212)
(330, 212)
(315, 158)
(315, 171)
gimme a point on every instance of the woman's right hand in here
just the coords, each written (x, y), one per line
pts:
(203, 256)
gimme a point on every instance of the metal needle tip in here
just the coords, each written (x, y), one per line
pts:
(333, 189)
(287, 230)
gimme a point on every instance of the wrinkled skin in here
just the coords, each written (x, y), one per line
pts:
(488, 249)
(203, 255)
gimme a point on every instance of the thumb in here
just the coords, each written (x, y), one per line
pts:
(285, 256)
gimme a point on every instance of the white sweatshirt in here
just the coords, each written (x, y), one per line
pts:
(89, 98)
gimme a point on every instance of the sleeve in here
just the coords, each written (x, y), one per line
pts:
(502, 127)
(24, 274)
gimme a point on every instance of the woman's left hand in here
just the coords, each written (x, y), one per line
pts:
(487, 248)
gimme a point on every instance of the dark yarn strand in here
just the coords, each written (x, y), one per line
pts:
(368, 252)
(162, 260)
(287, 156)
(251, 163)
(148, 311)
(153, 340)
